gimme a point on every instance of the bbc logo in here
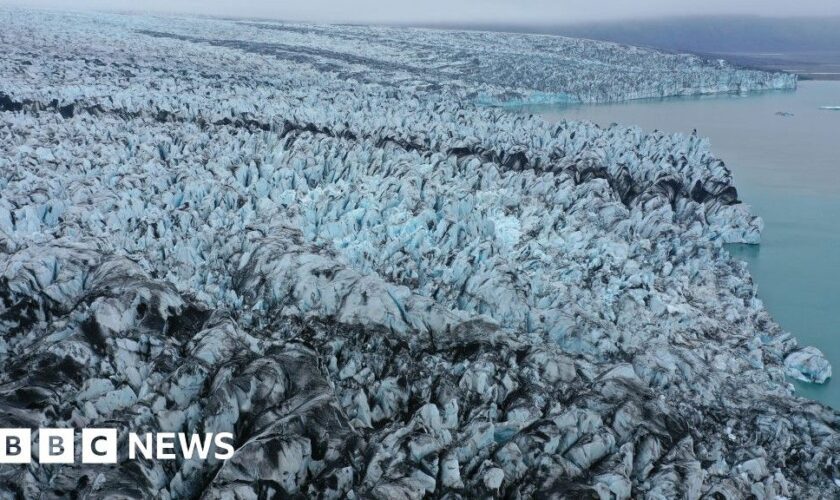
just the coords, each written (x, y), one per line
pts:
(100, 446)
(57, 446)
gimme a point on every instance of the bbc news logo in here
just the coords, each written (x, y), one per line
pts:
(101, 446)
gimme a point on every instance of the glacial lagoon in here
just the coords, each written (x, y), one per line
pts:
(783, 148)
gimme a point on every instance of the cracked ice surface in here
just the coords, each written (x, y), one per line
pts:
(314, 238)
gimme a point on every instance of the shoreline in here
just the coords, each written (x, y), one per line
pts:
(780, 275)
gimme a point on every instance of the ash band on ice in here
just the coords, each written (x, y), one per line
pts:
(101, 446)
(320, 240)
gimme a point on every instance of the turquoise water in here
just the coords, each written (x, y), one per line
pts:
(788, 169)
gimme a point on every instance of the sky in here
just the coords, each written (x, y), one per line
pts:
(455, 11)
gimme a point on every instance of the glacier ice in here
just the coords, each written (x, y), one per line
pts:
(322, 239)
(808, 364)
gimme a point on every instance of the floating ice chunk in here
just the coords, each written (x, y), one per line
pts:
(808, 365)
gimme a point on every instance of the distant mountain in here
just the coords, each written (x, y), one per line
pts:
(808, 46)
(719, 34)
(712, 34)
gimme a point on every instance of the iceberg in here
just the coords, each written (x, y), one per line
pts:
(808, 365)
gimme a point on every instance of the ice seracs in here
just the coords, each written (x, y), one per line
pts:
(321, 239)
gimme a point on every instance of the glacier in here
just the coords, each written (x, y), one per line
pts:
(336, 243)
